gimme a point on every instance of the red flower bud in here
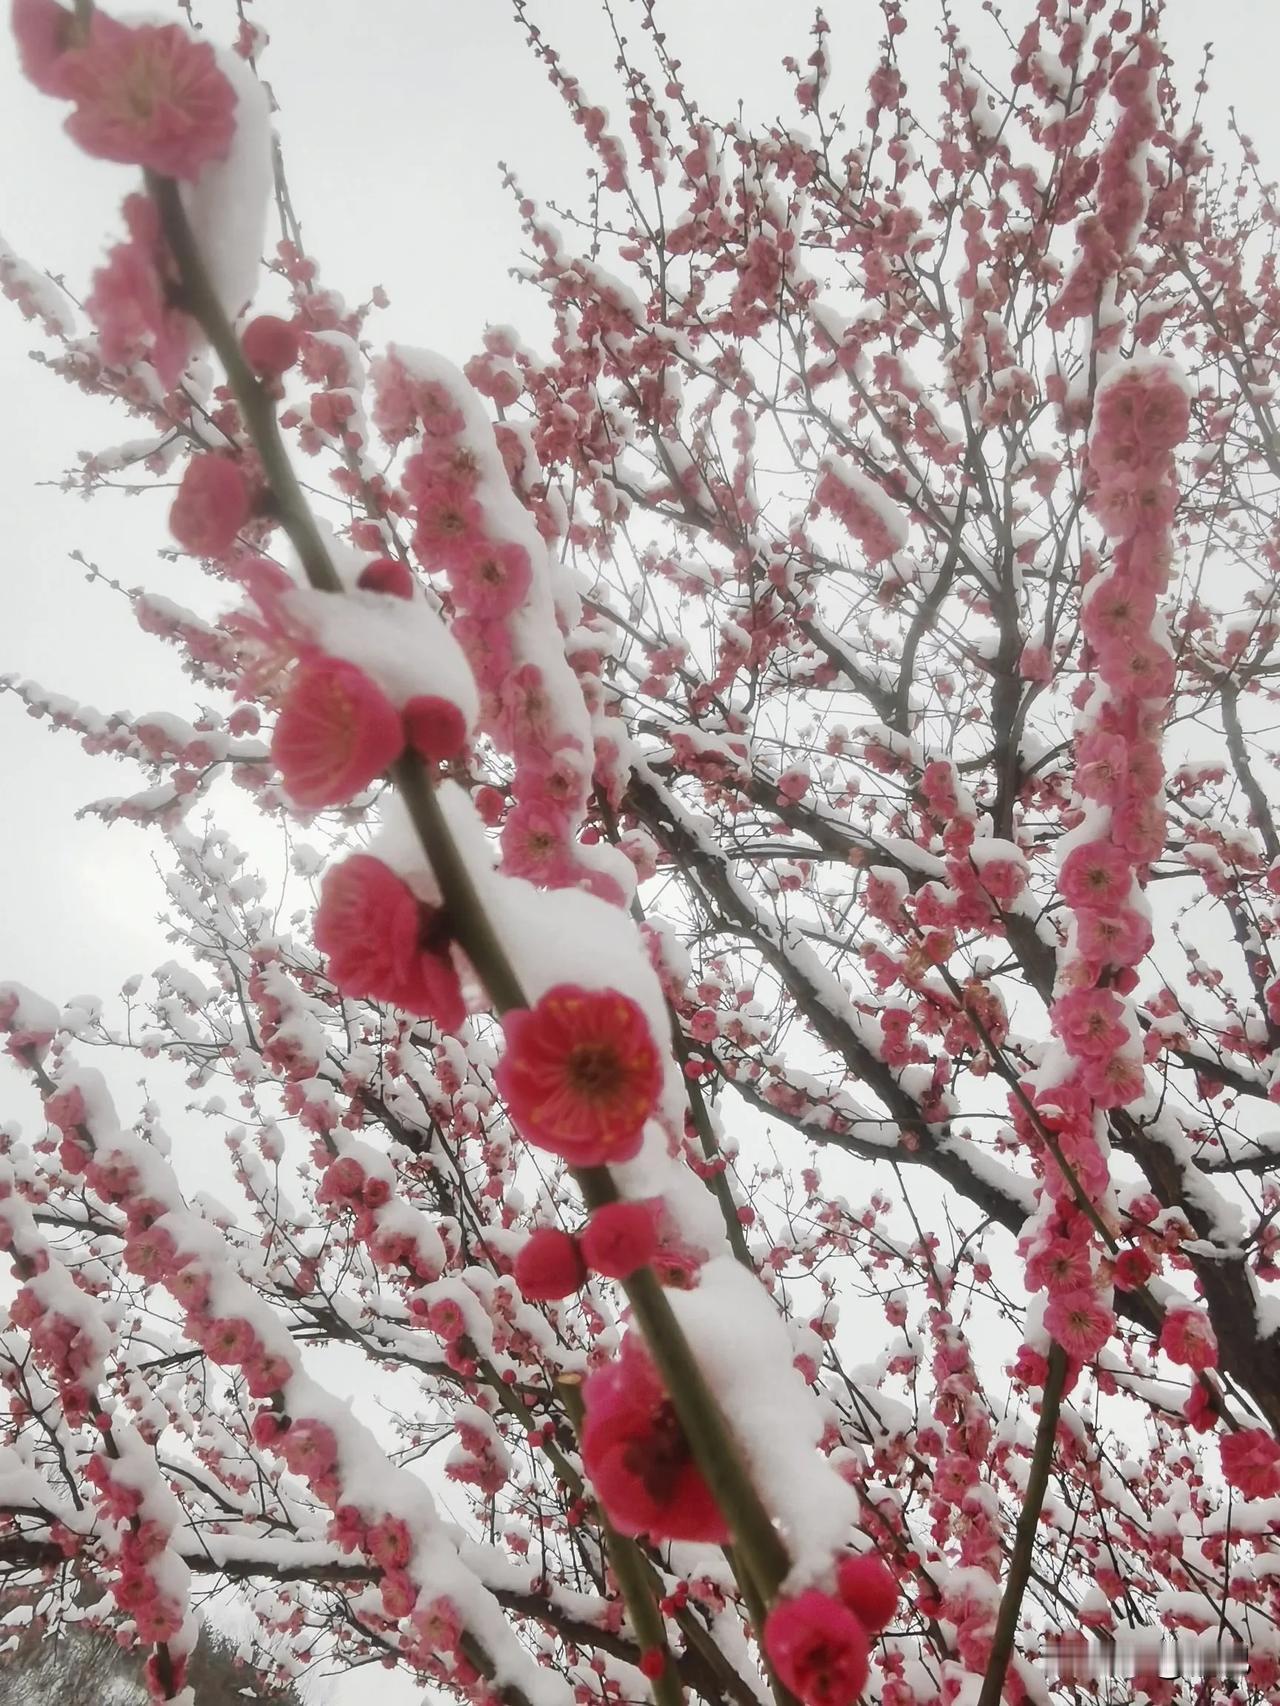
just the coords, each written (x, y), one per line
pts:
(385, 574)
(549, 1265)
(869, 1589)
(270, 345)
(619, 1238)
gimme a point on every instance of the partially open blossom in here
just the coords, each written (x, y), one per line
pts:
(149, 95)
(404, 400)
(1102, 762)
(129, 302)
(335, 733)
(637, 1456)
(619, 1238)
(488, 650)
(581, 1074)
(309, 1448)
(211, 507)
(382, 943)
(44, 33)
(549, 1265)
(818, 1648)
(1133, 1268)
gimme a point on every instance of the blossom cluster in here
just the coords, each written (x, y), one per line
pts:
(1104, 238)
(469, 530)
(1141, 414)
(168, 1245)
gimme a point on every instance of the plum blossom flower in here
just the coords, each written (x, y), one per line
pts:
(1132, 1269)
(1251, 1462)
(1101, 766)
(382, 943)
(528, 713)
(1081, 1153)
(1095, 875)
(1003, 879)
(1143, 667)
(581, 1074)
(265, 1374)
(818, 1648)
(1116, 1080)
(336, 731)
(1117, 612)
(535, 844)
(211, 507)
(148, 95)
(310, 1448)
(449, 522)
(491, 578)
(1090, 1022)
(488, 650)
(390, 1542)
(404, 401)
(1135, 502)
(1113, 938)
(1139, 416)
(1187, 1337)
(129, 302)
(638, 1458)
(230, 1339)
(1059, 1265)
(45, 33)
(388, 575)
(1080, 1322)
(1140, 827)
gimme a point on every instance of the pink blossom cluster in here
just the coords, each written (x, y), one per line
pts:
(468, 529)
(166, 1245)
(865, 513)
(145, 95)
(1105, 238)
(1141, 414)
(959, 1442)
(71, 1338)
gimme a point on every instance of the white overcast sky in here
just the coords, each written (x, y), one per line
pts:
(394, 114)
